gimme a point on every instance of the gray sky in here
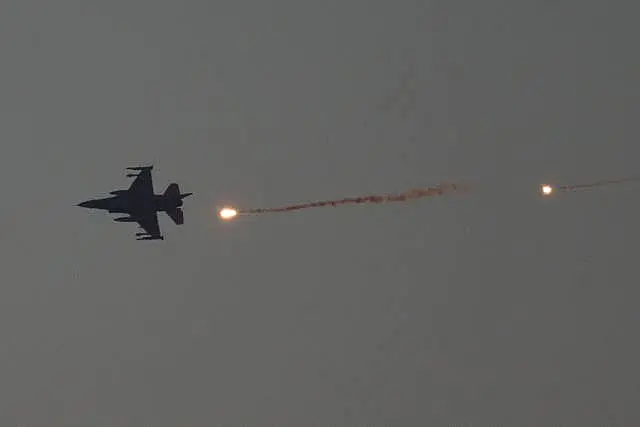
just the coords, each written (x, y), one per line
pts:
(497, 307)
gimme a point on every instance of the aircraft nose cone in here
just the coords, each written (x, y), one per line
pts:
(182, 196)
(83, 204)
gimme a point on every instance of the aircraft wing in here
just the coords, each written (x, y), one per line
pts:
(143, 184)
(149, 223)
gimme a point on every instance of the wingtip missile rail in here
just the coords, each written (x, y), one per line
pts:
(151, 238)
(140, 168)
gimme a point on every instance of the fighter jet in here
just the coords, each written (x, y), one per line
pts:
(141, 203)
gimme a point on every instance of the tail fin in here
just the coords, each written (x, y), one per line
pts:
(172, 191)
(177, 216)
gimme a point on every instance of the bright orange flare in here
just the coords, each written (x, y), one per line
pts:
(228, 213)
(547, 189)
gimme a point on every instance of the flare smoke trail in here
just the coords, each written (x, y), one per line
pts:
(547, 189)
(438, 190)
(596, 184)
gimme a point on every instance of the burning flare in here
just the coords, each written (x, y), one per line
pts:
(228, 213)
(548, 189)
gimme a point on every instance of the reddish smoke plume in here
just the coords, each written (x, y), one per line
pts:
(438, 190)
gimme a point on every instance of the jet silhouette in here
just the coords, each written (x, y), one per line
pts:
(142, 204)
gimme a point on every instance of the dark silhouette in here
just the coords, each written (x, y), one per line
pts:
(142, 205)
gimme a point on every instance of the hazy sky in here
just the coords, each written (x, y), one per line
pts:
(497, 307)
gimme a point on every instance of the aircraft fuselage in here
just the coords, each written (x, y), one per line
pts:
(126, 204)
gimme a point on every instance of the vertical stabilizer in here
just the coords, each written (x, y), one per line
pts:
(172, 191)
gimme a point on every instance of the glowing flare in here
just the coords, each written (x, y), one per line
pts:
(547, 189)
(228, 213)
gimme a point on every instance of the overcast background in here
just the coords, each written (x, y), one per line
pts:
(496, 307)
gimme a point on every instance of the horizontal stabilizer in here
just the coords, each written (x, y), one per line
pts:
(177, 216)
